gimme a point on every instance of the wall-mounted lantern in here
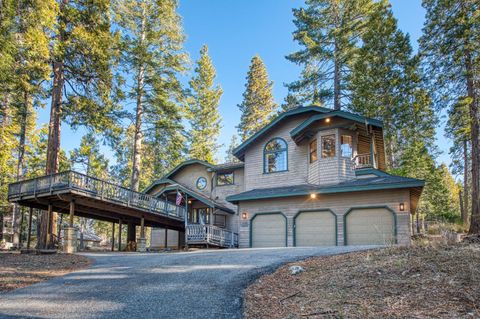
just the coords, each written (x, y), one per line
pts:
(244, 216)
(402, 207)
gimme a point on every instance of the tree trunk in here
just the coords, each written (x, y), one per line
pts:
(17, 224)
(475, 131)
(336, 81)
(137, 145)
(465, 183)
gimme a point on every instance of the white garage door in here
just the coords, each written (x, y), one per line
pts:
(315, 229)
(269, 230)
(370, 226)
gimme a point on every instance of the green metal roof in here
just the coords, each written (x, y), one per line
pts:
(204, 199)
(357, 185)
(342, 114)
(299, 110)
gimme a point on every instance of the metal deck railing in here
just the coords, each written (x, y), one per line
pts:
(94, 188)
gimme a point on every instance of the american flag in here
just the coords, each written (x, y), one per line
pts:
(178, 200)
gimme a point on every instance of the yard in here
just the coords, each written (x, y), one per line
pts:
(20, 270)
(421, 281)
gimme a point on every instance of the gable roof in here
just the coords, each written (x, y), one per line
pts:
(200, 197)
(324, 113)
(166, 179)
(299, 110)
(342, 114)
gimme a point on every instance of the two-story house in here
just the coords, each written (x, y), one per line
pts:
(311, 177)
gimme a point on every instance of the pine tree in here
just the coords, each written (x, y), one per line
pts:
(258, 104)
(205, 121)
(328, 31)
(450, 48)
(89, 159)
(152, 39)
(229, 157)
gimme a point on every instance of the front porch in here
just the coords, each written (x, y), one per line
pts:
(211, 235)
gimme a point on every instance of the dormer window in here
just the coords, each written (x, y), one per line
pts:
(275, 156)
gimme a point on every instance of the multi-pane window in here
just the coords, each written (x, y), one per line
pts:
(346, 145)
(313, 151)
(219, 220)
(275, 156)
(225, 179)
(328, 146)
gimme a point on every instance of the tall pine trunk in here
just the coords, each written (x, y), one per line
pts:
(475, 131)
(17, 212)
(137, 144)
(465, 183)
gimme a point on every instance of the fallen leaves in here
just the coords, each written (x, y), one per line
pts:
(20, 270)
(398, 282)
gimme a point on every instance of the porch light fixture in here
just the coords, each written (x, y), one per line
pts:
(313, 196)
(244, 215)
(402, 207)
(327, 120)
(189, 201)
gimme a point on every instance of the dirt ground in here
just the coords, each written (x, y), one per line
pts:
(400, 282)
(19, 270)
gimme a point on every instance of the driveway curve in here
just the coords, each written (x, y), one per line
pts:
(200, 284)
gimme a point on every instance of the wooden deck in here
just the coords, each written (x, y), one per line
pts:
(95, 198)
(211, 235)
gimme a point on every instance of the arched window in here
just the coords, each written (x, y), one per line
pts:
(275, 158)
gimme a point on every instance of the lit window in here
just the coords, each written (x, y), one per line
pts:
(328, 146)
(346, 146)
(275, 156)
(225, 179)
(313, 151)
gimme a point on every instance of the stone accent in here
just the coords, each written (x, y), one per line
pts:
(141, 245)
(70, 246)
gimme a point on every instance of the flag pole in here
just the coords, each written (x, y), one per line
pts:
(186, 220)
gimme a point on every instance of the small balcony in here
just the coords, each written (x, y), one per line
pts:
(362, 161)
(211, 235)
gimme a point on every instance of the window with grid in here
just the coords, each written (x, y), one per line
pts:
(328, 146)
(275, 156)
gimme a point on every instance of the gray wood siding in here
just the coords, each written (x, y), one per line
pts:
(297, 159)
(338, 203)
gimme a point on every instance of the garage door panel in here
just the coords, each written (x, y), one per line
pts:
(315, 229)
(269, 230)
(370, 226)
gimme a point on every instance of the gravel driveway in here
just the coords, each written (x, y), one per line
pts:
(201, 284)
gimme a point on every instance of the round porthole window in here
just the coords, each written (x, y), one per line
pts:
(201, 183)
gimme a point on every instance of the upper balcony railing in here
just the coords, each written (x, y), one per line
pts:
(362, 160)
(97, 188)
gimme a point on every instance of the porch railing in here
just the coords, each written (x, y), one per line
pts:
(362, 160)
(97, 188)
(213, 235)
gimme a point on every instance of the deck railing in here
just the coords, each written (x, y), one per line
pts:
(97, 188)
(362, 160)
(213, 235)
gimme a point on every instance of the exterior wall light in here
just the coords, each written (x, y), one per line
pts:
(402, 207)
(313, 196)
(327, 120)
(189, 201)
(244, 215)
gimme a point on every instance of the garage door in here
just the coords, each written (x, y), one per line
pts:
(269, 230)
(370, 226)
(315, 229)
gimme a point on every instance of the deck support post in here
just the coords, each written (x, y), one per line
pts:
(131, 237)
(113, 236)
(48, 242)
(166, 237)
(141, 247)
(70, 232)
(119, 235)
(29, 234)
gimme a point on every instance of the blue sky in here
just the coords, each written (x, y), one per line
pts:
(237, 30)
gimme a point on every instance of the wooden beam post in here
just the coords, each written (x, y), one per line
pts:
(48, 243)
(142, 227)
(113, 236)
(29, 234)
(166, 238)
(119, 235)
(72, 212)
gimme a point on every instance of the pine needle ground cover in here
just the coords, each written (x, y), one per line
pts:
(20, 270)
(398, 282)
